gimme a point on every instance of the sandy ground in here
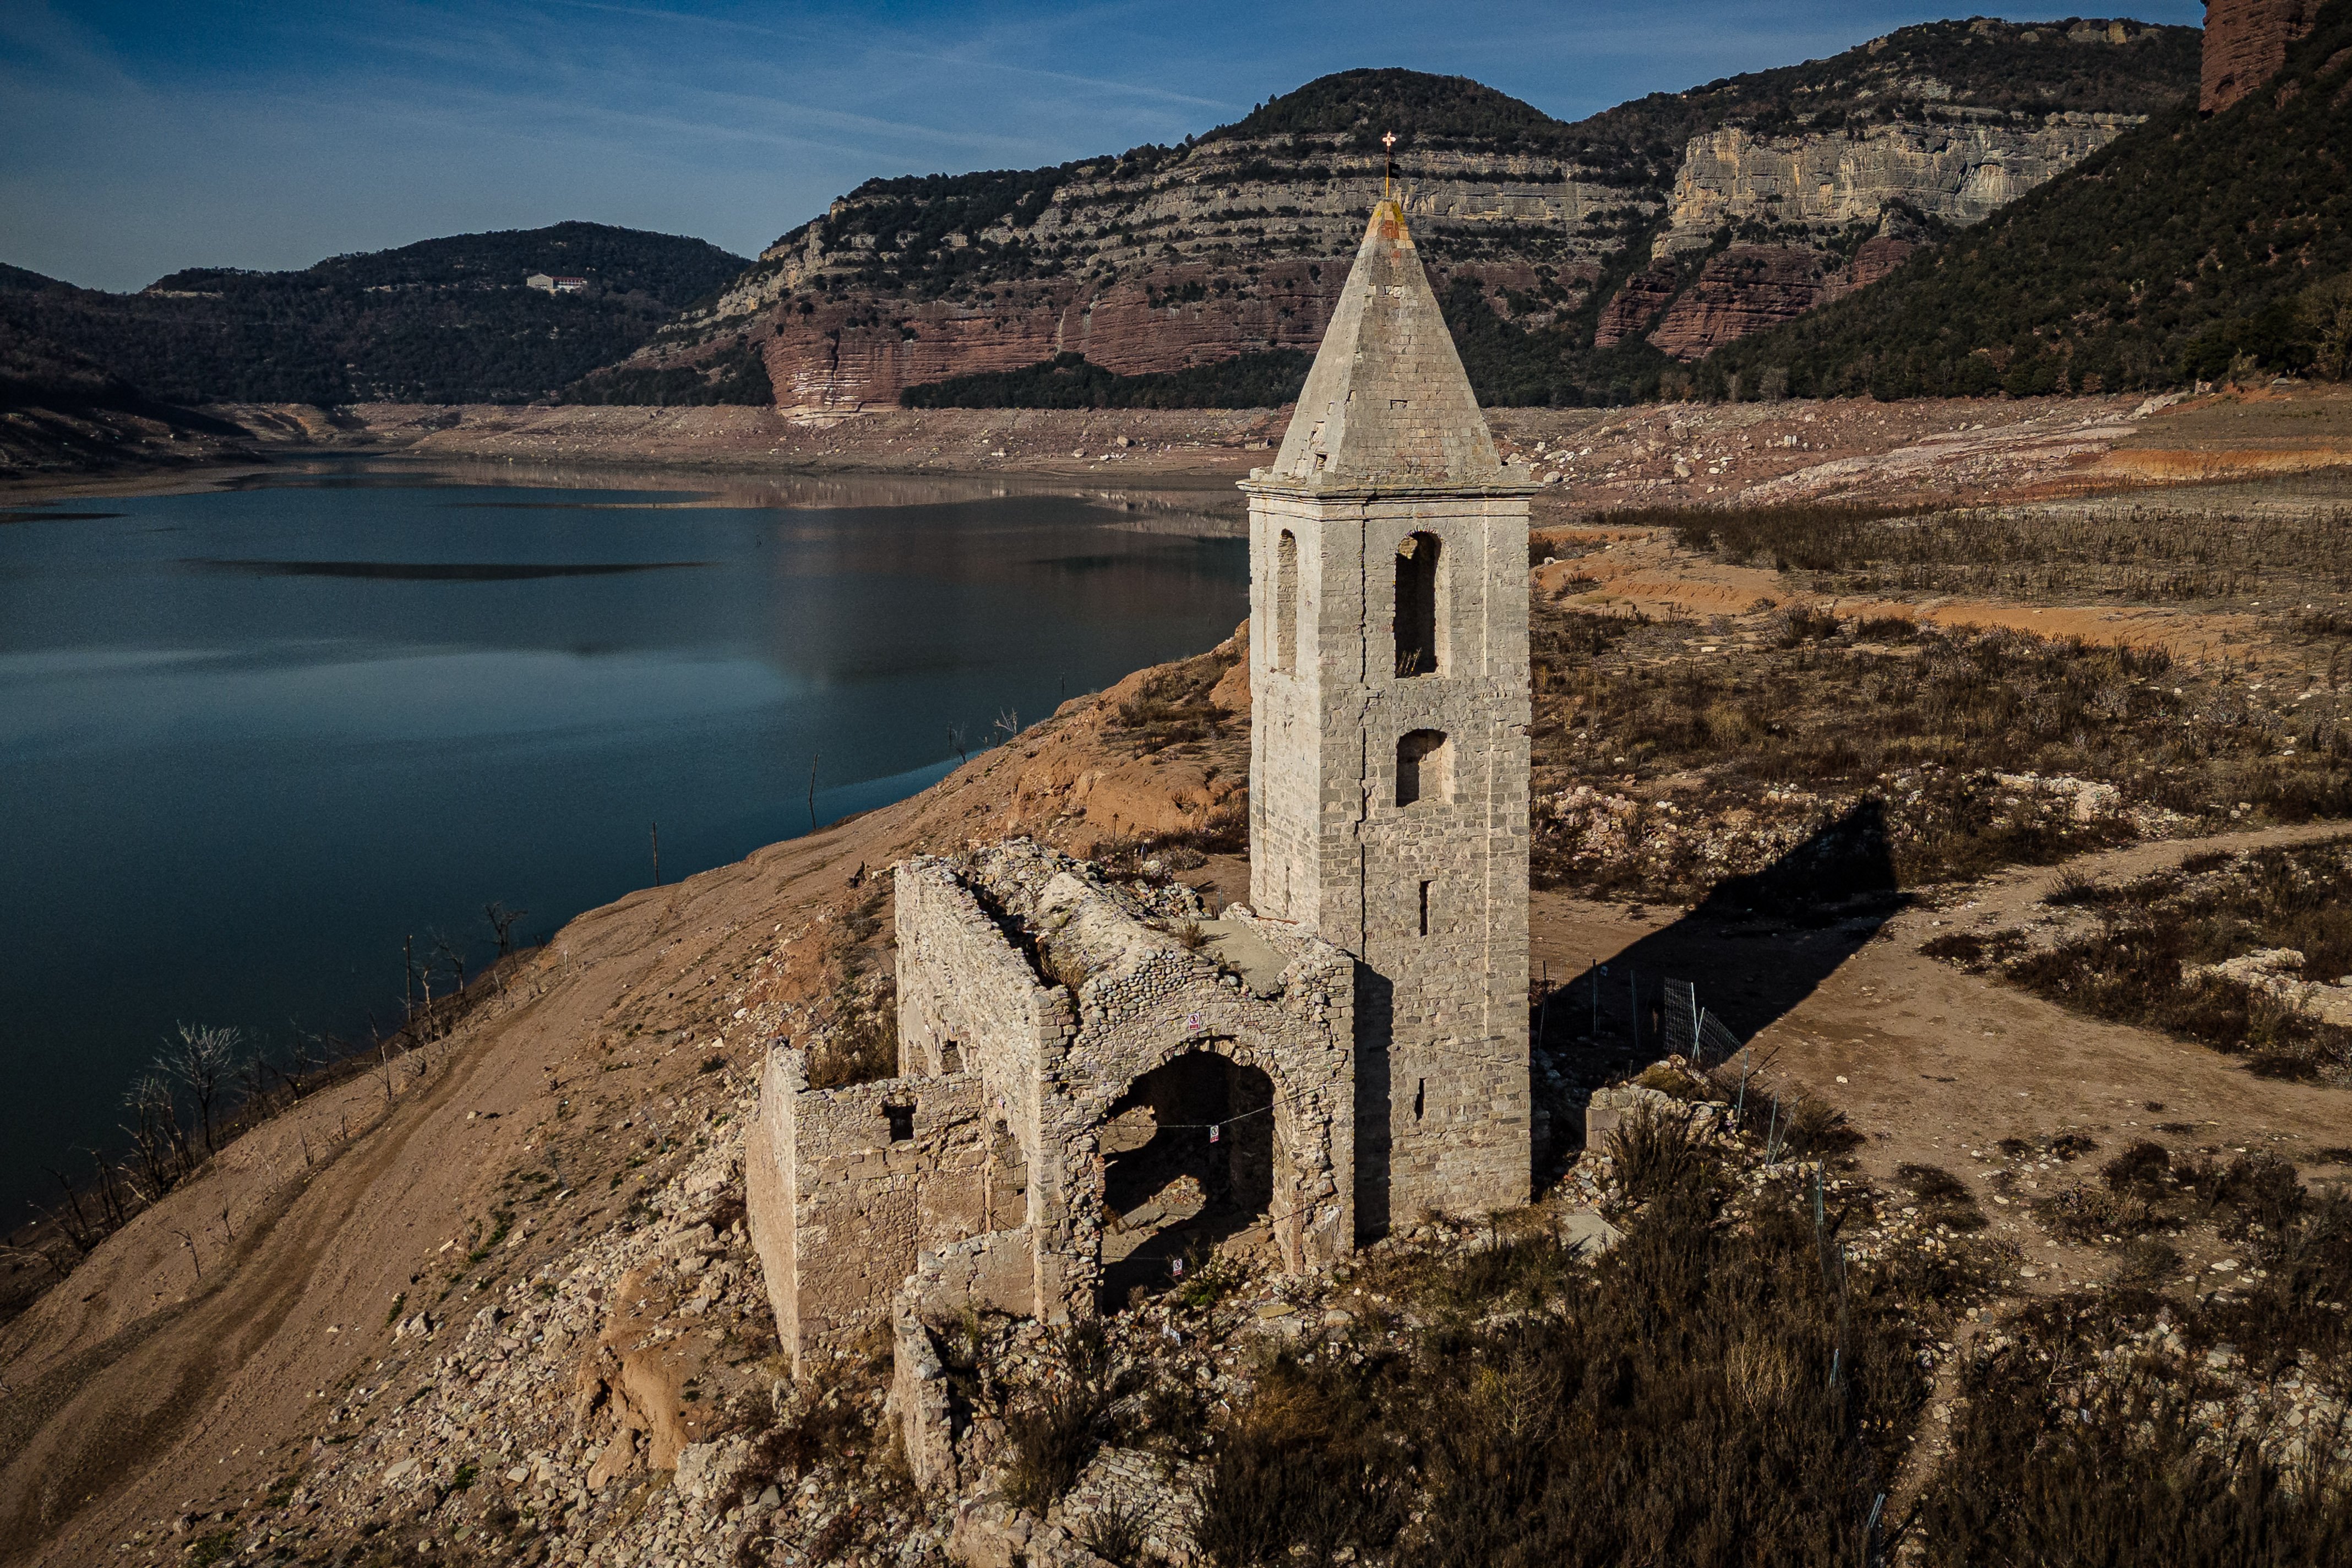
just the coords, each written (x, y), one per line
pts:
(1931, 1062)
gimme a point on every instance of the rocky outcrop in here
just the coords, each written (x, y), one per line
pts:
(1145, 267)
(1636, 305)
(1957, 172)
(1751, 287)
(2245, 44)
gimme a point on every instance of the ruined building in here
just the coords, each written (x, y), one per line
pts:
(1095, 1081)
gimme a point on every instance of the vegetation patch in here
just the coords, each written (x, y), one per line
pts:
(2101, 280)
(2246, 957)
(1262, 380)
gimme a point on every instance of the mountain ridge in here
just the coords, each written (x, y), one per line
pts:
(441, 320)
(1162, 259)
(2103, 278)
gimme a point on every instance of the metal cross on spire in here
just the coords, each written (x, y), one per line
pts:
(1388, 170)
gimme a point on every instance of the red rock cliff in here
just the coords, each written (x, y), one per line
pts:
(2245, 44)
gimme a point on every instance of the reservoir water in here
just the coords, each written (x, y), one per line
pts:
(252, 738)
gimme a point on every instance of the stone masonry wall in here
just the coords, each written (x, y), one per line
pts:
(961, 980)
(1145, 1001)
(1442, 1105)
(840, 1205)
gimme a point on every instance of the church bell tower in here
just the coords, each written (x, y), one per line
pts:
(1389, 744)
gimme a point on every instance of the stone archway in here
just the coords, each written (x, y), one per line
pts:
(1192, 1165)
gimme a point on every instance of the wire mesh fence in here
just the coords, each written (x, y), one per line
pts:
(1682, 1036)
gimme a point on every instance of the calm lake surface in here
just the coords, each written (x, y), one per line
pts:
(251, 739)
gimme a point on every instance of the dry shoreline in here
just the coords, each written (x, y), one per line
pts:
(1959, 451)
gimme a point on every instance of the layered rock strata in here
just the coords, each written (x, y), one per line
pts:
(2245, 44)
(1956, 171)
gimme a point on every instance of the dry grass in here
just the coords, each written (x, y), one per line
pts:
(1065, 1416)
(1719, 1388)
(1819, 718)
(1173, 709)
(2085, 1442)
(2129, 966)
(2139, 554)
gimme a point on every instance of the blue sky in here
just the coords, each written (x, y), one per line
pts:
(140, 138)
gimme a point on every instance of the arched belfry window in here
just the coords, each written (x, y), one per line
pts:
(1417, 595)
(1286, 603)
(1423, 767)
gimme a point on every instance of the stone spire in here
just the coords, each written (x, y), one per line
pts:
(1387, 404)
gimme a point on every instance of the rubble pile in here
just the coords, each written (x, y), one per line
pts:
(624, 1402)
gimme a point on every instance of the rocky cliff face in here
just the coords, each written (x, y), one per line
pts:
(1163, 258)
(2245, 44)
(1144, 265)
(1747, 288)
(1956, 171)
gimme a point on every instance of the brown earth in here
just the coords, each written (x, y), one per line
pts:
(142, 1391)
(1958, 450)
(57, 446)
(1930, 1062)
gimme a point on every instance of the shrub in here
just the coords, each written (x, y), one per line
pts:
(2049, 1467)
(1066, 1418)
(1657, 1155)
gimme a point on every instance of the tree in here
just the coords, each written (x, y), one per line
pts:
(163, 1144)
(203, 1059)
(502, 923)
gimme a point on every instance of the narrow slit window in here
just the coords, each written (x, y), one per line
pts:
(901, 1118)
(1420, 1096)
(1422, 767)
(1286, 603)
(1417, 568)
(1424, 908)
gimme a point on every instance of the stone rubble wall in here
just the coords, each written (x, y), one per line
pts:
(1146, 1001)
(960, 978)
(840, 1208)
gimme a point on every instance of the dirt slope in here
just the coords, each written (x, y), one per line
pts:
(141, 1389)
(143, 1392)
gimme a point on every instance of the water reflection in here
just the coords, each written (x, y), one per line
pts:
(252, 738)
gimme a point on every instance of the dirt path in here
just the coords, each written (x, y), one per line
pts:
(1931, 1062)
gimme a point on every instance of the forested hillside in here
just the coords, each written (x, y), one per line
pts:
(2191, 248)
(443, 321)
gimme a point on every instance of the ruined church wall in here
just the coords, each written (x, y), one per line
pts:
(1303, 1039)
(961, 979)
(840, 1203)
